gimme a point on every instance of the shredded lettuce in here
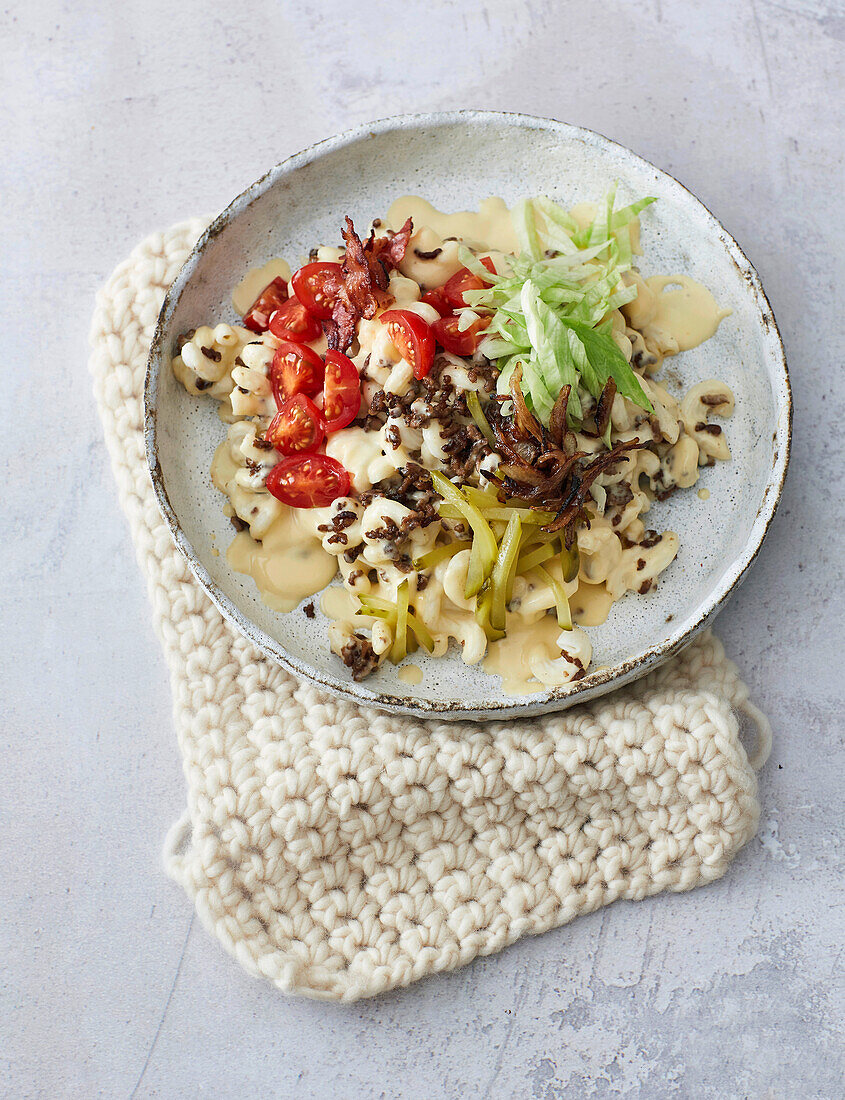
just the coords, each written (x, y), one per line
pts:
(525, 227)
(550, 312)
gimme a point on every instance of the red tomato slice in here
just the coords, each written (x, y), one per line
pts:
(292, 321)
(297, 426)
(341, 391)
(296, 368)
(308, 481)
(412, 338)
(438, 299)
(316, 286)
(271, 298)
(465, 280)
(458, 343)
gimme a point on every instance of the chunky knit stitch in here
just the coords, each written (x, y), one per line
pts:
(340, 851)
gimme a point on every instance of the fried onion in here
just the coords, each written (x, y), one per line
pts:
(604, 406)
(536, 467)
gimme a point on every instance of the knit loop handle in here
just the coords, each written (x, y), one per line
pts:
(763, 727)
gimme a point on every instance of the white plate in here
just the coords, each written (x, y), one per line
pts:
(455, 160)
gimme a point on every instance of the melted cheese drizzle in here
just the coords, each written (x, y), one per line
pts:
(287, 565)
(509, 657)
(489, 227)
(688, 311)
(526, 639)
(338, 603)
(255, 281)
(591, 604)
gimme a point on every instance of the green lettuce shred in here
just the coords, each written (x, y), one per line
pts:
(550, 313)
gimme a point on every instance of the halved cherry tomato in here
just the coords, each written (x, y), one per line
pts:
(341, 391)
(412, 338)
(296, 368)
(308, 481)
(437, 299)
(316, 286)
(451, 339)
(465, 280)
(271, 298)
(297, 426)
(292, 321)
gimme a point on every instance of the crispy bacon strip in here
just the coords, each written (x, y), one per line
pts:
(365, 270)
(358, 273)
(391, 250)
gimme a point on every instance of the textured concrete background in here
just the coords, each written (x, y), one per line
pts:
(120, 119)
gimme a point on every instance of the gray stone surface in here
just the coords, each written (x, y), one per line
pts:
(121, 119)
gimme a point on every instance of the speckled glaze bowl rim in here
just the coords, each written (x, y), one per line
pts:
(593, 684)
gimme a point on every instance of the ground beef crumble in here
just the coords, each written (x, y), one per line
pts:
(358, 654)
(619, 495)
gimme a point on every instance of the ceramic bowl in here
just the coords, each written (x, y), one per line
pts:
(455, 160)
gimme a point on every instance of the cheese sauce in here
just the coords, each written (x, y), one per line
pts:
(510, 656)
(255, 280)
(591, 604)
(684, 310)
(488, 227)
(338, 603)
(287, 565)
(431, 259)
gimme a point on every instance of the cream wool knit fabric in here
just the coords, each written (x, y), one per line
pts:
(340, 851)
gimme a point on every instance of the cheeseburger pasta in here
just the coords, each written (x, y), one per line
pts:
(459, 417)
